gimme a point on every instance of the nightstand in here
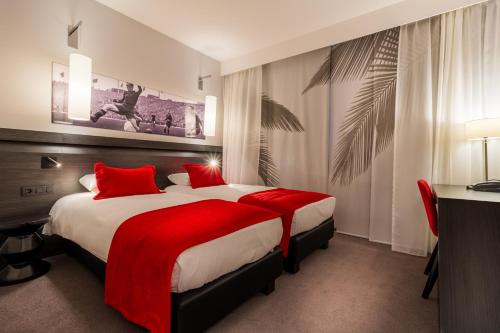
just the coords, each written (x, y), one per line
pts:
(18, 251)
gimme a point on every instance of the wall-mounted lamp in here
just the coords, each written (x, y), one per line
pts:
(210, 115)
(74, 35)
(80, 78)
(200, 81)
(79, 87)
(50, 162)
(213, 160)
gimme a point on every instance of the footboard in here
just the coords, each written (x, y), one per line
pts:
(303, 244)
(198, 309)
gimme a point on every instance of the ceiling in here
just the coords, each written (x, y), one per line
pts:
(226, 29)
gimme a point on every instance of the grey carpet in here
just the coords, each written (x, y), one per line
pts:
(354, 286)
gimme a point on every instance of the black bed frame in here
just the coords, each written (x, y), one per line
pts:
(192, 311)
(197, 309)
(305, 243)
(210, 303)
(213, 301)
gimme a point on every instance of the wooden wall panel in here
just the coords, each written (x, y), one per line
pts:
(20, 165)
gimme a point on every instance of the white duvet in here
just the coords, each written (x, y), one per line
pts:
(92, 224)
(304, 219)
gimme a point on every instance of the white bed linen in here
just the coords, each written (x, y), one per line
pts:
(92, 224)
(304, 219)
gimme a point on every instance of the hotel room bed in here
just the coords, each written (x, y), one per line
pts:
(202, 274)
(312, 225)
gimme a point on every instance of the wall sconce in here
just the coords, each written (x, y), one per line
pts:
(210, 115)
(80, 79)
(213, 160)
(200, 81)
(50, 162)
(79, 87)
(74, 35)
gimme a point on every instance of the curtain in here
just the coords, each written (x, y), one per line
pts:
(363, 76)
(242, 93)
(448, 74)
(365, 119)
(327, 125)
(414, 133)
(294, 147)
(469, 81)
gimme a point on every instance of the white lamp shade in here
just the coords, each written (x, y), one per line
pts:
(482, 128)
(79, 87)
(210, 115)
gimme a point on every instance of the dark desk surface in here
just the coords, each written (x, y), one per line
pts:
(460, 192)
(469, 260)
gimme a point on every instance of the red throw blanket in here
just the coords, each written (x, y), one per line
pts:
(144, 249)
(285, 202)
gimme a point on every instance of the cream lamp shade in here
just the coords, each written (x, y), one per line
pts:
(210, 115)
(79, 87)
(482, 128)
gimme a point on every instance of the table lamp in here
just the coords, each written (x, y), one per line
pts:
(483, 129)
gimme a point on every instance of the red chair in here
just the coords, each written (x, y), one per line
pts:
(429, 199)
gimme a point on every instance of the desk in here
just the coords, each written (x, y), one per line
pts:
(469, 260)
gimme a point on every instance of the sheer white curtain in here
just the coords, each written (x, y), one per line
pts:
(469, 85)
(242, 93)
(413, 133)
(438, 91)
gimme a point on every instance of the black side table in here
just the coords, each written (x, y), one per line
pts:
(18, 261)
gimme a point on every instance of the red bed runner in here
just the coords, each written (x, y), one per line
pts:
(144, 249)
(285, 202)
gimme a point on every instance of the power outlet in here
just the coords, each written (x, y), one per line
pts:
(36, 190)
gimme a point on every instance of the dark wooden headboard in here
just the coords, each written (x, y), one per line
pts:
(21, 153)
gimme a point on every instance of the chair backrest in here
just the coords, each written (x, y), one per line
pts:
(430, 201)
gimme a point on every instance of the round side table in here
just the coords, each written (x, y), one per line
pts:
(18, 261)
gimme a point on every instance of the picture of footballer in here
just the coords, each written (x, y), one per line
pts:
(125, 106)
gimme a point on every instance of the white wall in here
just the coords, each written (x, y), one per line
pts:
(33, 34)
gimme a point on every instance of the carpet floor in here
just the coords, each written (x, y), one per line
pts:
(354, 286)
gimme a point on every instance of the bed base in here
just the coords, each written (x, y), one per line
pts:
(305, 243)
(198, 309)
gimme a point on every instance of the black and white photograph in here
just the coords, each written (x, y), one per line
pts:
(125, 106)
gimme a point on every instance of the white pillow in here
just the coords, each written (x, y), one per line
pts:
(179, 179)
(89, 182)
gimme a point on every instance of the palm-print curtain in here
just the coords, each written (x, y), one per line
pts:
(294, 141)
(343, 97)
(363, 91)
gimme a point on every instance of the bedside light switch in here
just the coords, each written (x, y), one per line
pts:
(36, 190)
(27, 191)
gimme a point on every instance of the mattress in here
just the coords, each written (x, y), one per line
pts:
(304, 219)
(92, 224)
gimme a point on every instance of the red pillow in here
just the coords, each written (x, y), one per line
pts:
(117, 182)
(202, 175)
